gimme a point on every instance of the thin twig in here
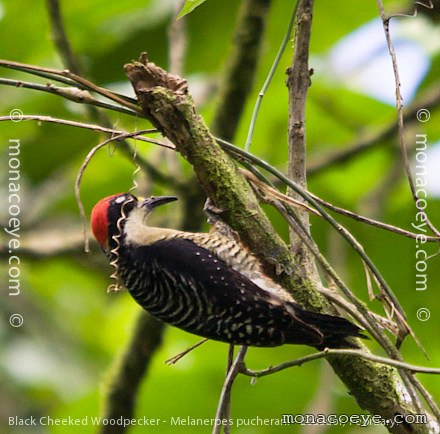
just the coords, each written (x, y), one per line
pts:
(262, 185)
(86, 84)
(60, 37)
(128, 371)
(385, 342)
(372, 222)
(330, 352)
(158, 176)
(39, 73)
(83, 167)
(177, 357)
(304, 194)
(350, 308)
(298, 83)
(64, 76)
(78, 95)
(427, 397)
(226, 390)
(227, 410)
(94, 127)
(269, 78)
(430, 5)
(399, 105)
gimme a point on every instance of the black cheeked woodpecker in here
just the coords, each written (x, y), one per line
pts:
(206, 283)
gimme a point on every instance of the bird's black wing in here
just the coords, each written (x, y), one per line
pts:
(192, 288)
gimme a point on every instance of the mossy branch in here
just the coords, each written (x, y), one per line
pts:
(168, 106)
(165, 101)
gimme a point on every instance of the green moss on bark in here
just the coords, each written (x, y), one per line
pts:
(166, 103)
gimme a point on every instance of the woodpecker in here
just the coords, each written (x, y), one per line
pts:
(206, 283)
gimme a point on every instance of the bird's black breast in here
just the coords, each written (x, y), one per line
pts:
(188, 286)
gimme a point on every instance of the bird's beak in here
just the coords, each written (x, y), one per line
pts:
(152, 202)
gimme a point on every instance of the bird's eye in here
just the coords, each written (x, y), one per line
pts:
(120, 199)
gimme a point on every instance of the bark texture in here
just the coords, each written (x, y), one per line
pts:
(165, 101)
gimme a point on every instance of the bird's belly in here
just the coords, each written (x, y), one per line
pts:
(215, 322)
(190, 307)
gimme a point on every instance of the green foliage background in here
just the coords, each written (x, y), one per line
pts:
(57, 363)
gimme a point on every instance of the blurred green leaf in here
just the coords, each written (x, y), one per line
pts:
(189, 6)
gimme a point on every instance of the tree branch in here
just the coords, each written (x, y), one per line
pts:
(233, 371)
(129, 370)
(60, 37)
(71, 93)
(165, 102)
(330, 352)
(298, 83)
(72, 79)
(241, 67)
(399, 106)
(269, 78)
(290, 201)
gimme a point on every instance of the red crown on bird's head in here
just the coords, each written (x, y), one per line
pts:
(99, 218)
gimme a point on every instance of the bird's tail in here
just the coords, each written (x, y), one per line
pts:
(326, 331)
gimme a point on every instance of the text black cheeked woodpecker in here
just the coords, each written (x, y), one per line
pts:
(206, 283)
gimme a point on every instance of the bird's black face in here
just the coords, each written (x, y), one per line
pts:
(108, 213)
(118, 211)
(121, 206)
